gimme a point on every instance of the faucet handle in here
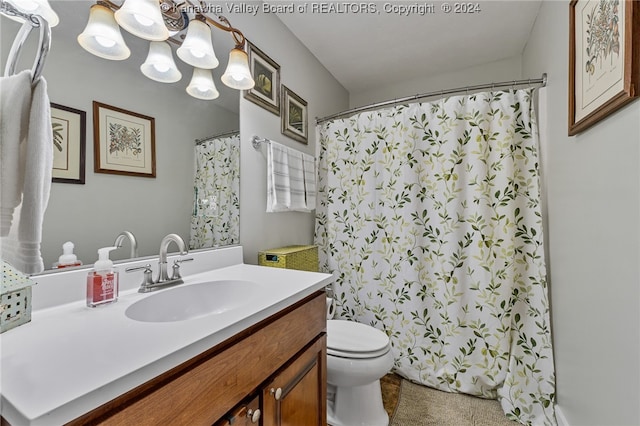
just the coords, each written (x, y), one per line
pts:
(148, 276)
(176, 267)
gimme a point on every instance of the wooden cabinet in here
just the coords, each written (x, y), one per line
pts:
(286, 351)
(297, 394)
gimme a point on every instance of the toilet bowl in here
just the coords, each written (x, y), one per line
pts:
(358, 355)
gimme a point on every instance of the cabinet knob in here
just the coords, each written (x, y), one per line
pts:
(254, 416)
(277, 393)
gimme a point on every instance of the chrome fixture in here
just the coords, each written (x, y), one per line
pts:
(132, 241)
(160, 22)
(163, 280)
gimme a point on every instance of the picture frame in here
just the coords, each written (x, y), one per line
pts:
(69, 127)
(604, 59)
(266, 74)
(124, 142)
(294, 116)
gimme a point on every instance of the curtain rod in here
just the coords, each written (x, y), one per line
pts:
(529, 82)
(221, 135)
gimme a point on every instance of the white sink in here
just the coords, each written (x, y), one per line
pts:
(194, 301)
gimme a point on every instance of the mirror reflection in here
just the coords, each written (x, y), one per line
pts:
(94, 213)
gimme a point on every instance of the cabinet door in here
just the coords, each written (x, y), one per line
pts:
(298, 394)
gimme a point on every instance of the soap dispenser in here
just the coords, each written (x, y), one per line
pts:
(67, 258)
(102, 281)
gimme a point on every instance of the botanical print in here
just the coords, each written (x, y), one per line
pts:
(603, 35)
(429, 217)
(124, 141)
(216, 208)
(60, 143)
(599, 63)
(263, 78)
(296, 120)
(60, 133)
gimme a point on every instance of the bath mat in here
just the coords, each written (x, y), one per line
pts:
(422, 406)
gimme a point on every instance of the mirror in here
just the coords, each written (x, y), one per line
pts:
(91, 215)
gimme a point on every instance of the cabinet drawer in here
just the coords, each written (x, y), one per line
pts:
(246, 414)
(203, 389)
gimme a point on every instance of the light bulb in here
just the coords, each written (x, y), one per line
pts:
(161, 67)
(143, 20)
(105, 42)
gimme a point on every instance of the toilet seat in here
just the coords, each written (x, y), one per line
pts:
(349, 339)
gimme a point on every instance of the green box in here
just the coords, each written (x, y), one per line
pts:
(303, 258)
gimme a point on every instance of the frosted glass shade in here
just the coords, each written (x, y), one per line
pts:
(202, 85)
(196, 49)
(143, 19)
(160, 65)
(35, 7)
(237, 74)
(102, 35)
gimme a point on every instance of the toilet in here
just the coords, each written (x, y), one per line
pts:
(358, 355)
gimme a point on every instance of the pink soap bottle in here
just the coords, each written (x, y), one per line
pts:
(67, 258)
(102, 281)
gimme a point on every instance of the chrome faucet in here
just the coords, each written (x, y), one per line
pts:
(163, 280)
(132, 241)
(162, 257)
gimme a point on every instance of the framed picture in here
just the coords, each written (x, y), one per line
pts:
(604, 59)
(266, 74)
(69, 127)
(294, 116)
(124, 142)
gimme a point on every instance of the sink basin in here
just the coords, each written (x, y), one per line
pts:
(194, 301)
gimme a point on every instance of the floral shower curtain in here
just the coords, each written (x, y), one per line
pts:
(216, 207)
(429, 215)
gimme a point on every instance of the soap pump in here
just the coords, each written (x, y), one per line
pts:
(67, 258)
(102, 281)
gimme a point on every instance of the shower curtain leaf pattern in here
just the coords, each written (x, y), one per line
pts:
(216, 212)
(429, 216)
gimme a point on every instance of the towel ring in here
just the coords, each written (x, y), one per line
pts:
(21, 38)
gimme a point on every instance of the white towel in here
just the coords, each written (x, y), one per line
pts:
(32, 180)
(15, 102)
(296, 181)
(278, 184)
(309, 181)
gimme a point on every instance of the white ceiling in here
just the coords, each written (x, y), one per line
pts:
(366, 50)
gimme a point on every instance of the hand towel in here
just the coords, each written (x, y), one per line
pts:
(278, 183)
(309, 181)
(296, 181)
(36, 156)
(15, 102)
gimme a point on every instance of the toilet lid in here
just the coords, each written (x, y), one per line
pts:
(351, 339)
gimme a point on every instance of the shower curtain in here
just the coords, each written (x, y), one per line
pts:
(429, 215)
(216, 206)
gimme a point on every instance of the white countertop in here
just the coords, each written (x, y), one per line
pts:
(71, 359)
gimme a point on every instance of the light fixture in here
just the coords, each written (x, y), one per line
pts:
(102, 35)
(237, 74)
(202, 85)
(196, 49)
(160, 20)
(143, 19)
(35, 7)
(159, 65)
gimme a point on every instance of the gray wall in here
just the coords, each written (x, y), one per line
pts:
(593, 197)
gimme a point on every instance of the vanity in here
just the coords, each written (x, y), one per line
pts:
(258, 358)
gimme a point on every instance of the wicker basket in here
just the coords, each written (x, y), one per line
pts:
(15, 298)
(303, 258)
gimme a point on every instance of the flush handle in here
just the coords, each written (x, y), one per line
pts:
(277, 393)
